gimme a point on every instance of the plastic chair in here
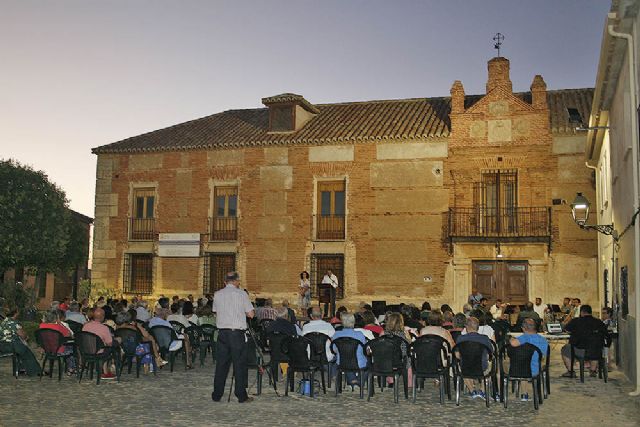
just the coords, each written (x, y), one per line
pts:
(319, 342)
(14, 361)
(297, 349)
(207, 342)
(93, 354)
(195, 335)
(347, 351)
(593, 351)
(520, 369)
(386, 360)
(51, 340)
(275, 342)
(469, 365)
(431, 358)
(74, 326)
(130, 340)
(164, 336)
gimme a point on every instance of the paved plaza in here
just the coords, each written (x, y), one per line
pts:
(183, 398)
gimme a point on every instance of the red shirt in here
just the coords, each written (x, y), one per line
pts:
(375, 328)
(57, 327)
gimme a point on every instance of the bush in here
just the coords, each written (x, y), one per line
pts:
(15, 295)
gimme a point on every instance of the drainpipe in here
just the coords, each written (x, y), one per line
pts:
(631, 60)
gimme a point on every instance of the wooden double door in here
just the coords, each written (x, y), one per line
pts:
(506, 280)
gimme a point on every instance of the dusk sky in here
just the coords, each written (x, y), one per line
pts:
(80, 74)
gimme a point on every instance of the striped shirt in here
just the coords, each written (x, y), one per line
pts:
(232, 306)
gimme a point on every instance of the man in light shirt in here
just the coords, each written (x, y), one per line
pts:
(316, 324)
(497, 309)
(539, 308)
(331, 280)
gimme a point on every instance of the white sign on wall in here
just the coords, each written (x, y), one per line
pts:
(179, 245)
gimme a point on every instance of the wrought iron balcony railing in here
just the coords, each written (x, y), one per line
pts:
(511, 223)
(223, 228)
(141, 228)
(329, 227)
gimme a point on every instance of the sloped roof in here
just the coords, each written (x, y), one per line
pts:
(368, 121)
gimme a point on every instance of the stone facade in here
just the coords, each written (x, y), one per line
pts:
(398, 194)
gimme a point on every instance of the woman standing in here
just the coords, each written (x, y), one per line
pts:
(305, 291)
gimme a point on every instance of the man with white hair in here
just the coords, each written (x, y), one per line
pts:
(316, 324)
(74, 313)
(142, 313)
(282, 323)
(348, 331)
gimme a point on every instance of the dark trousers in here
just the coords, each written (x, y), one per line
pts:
(26, 358)
(332, 293)
(231, 348)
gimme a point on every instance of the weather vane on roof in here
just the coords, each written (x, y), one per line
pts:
(498, 38)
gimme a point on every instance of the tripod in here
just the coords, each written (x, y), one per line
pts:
(250, 334)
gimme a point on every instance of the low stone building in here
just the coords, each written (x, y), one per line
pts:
(405, 200)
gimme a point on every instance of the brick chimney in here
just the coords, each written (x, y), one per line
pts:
(538, 92)
(499, 74)
(457, 97)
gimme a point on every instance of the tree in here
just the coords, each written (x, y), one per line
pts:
(34, 219)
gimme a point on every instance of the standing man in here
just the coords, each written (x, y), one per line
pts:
(332, 280)
(232, 306)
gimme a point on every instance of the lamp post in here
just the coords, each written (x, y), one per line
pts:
(580, 213)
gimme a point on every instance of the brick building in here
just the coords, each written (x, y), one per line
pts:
(409, 199)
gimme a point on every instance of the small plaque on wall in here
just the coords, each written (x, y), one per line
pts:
(179, 245)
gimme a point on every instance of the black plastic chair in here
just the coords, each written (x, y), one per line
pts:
(207, 342)
(520, 370)
(545, 378)
(164, 336)
(50, 341)
(93, 353)
(593, 346)
(298, 349)
(431, 358)
(347, 350)
(468, 364)
(319, 354)
(195, 335)
(275, 341)
(74, 326)
(386, 360)
(130, 340)
(255, 361)
(14, 361)
(177, 326)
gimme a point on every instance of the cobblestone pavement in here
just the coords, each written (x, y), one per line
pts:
(183, 398)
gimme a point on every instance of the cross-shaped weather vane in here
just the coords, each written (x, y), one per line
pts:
(498, 38)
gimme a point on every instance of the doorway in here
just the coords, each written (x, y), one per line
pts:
(506, 280)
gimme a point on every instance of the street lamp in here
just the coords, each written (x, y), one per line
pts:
(580, 213)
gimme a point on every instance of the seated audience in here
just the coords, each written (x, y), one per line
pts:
(530, 336)
(96, 326)
(471, 328)
(127, 320)
(582, 330)
(74, 313)
(160, 319)
(483, 328)
(176, 316)
(337, 319)
(434, 327)
(282, 323)
(348, 322)
(497, 309)
(266, 312)
(187, 313)
(395, 326)
(292, 313)
(316, 324)
(459, 321)
(359, 326)
(447, 321)
(370, 324)
(14, 339)
(142, 314)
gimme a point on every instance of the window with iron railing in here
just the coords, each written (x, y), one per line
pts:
(138, 273)
(330, 219)
(224, 223)
(216, 266)
(142, 221)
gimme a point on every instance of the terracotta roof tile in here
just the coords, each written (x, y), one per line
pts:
(370, 121)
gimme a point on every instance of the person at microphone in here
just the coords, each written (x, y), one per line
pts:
(330, 279)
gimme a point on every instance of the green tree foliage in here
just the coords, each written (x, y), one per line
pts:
(34, 219)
